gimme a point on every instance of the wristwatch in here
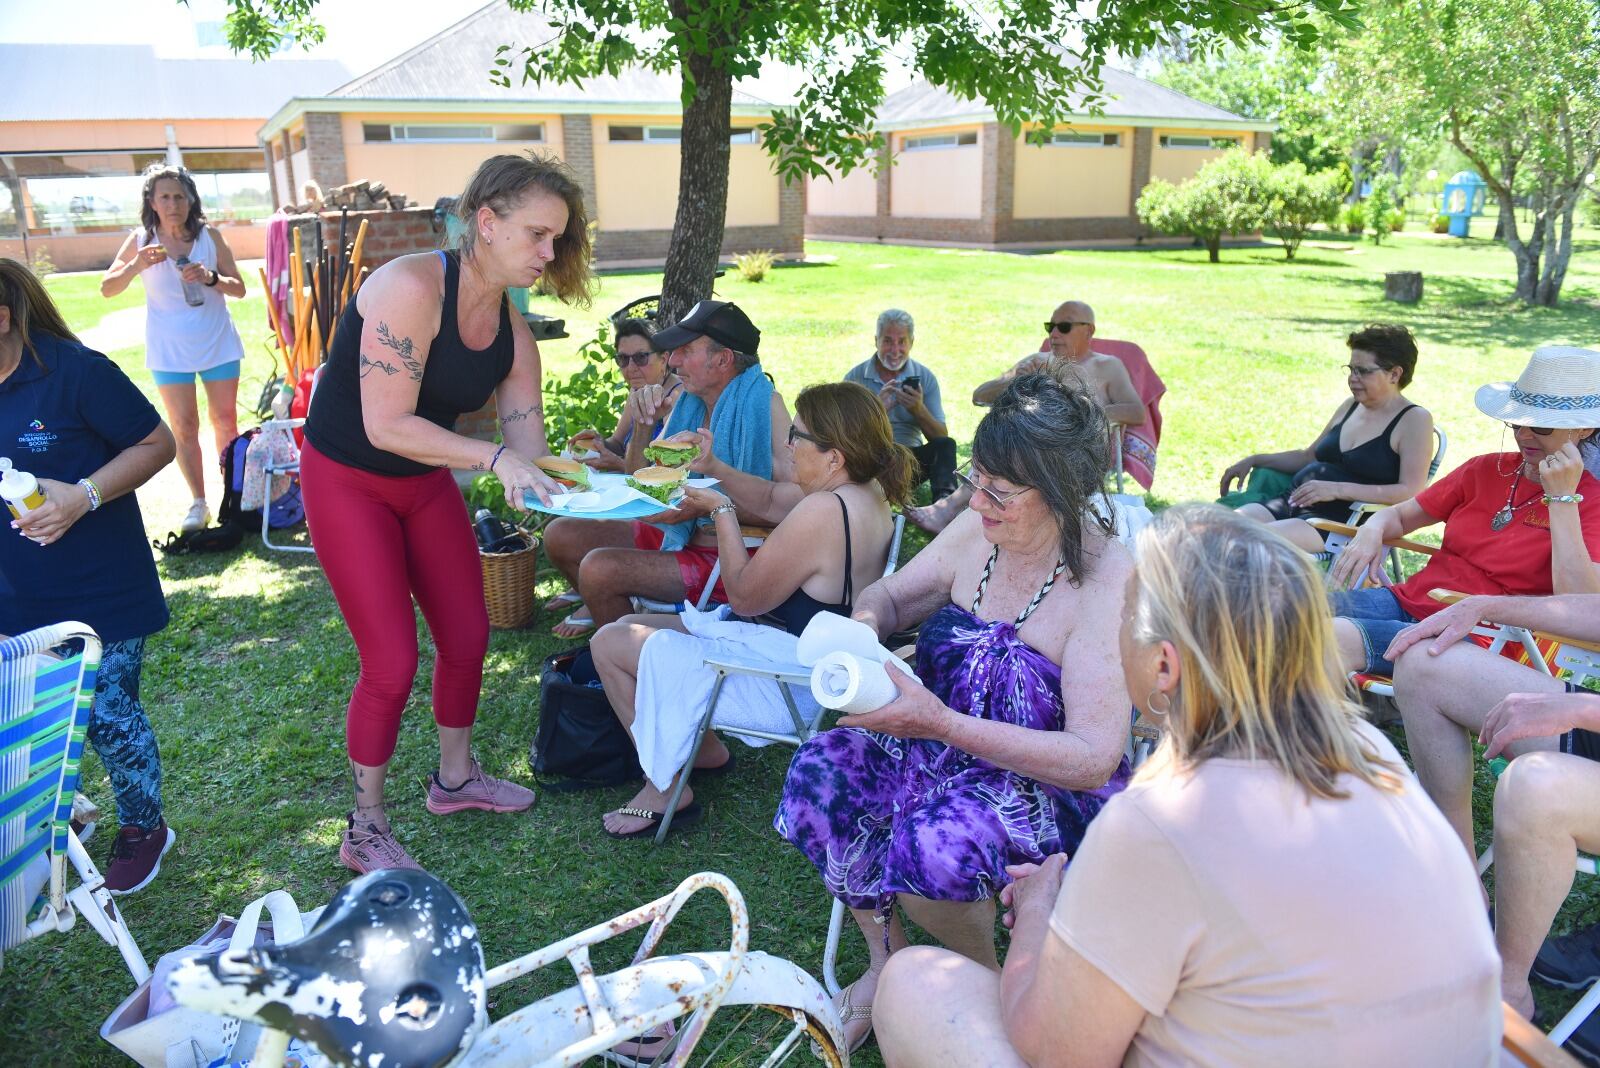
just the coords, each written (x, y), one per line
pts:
(719, 509)
(214, 278)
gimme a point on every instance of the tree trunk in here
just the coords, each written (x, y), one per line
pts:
(702, 182)
(1560, 251)
(1214, 249)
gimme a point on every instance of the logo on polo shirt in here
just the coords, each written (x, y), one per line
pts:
(36, 438)
(37, 424)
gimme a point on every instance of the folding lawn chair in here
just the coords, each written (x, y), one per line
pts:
(1335, 541)
(45, 701)
(278, 465)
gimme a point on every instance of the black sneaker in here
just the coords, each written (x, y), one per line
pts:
(1570, 961)
(1584, 1043)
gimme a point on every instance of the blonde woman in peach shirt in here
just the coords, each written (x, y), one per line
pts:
(1273, 888)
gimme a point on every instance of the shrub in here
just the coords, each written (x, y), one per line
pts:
(42, 265)
(1298, 201)
(1591, 209)
(1353, 218)
(1441, 224)
(1397, 220)
(1229, 195)
(753, 266)
(1382, 203)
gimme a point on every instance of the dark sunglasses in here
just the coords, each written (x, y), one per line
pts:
(640, 359)
(1542, 431)
(1065, 326)
(818, 442)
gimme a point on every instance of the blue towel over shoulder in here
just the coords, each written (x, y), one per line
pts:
(741, 434)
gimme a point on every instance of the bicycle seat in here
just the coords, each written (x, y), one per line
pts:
(392, 974)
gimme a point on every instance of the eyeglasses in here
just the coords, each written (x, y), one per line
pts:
(795, 433)
(964, 476)
(640, 359)
(1542, 431)
(1064, 326)
(1357, 369)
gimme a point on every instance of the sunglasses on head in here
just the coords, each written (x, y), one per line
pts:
(640, 359)
(1542, 431)
(1064, 326)
(964, 475)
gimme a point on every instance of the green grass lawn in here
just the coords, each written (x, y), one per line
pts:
(248, 685)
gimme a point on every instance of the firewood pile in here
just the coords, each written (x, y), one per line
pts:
(358, 196)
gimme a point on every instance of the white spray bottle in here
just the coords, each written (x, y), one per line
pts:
(19, 489)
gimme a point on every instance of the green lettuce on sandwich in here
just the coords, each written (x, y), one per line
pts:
(568, 473)
(679, 450)
(659, 483)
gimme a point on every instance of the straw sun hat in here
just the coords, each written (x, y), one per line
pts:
(1559, 388)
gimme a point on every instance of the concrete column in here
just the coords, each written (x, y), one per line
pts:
(272, 176)
(325, 148)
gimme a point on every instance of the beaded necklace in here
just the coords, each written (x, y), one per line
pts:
(1044, 591)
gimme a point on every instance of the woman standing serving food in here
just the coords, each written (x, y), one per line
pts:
(430, 337)
(187, 270)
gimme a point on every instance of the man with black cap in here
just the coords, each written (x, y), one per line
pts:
(741, 425)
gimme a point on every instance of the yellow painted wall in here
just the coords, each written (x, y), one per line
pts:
(937, 183)
(1179, 164)
(426, 172)
(856, 194)
(636, 184)
(120, 135)
(1073, 181)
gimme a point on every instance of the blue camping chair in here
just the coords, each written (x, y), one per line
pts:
(44, 715)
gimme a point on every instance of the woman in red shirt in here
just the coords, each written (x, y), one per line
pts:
(1524, 523)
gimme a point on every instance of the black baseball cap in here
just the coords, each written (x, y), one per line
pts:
(719, 320)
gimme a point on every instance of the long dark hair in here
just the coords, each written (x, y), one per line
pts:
(501, 182)
(30, 306)
(1053, 438)
(147, 211)
(848, 417)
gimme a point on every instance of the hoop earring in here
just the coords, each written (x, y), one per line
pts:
(1151, 702)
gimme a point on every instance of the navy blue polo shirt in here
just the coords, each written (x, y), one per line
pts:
(63, 417)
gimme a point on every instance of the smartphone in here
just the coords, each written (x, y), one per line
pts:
(912, 382)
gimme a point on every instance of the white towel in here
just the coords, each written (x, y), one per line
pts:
(675, 684)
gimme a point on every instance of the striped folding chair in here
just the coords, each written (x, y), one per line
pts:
(44, 716)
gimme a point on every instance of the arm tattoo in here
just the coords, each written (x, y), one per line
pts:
(522, 413)
(368, 366)
(403, 348)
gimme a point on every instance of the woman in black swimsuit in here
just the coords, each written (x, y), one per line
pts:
(1376, 447)
(834, 542)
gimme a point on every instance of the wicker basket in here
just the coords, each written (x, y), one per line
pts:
(508, 583)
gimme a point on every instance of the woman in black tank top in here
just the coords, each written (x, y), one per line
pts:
(834, 542)
(427, 339)
(1381, 456)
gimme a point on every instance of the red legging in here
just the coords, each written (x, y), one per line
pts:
(381, 539)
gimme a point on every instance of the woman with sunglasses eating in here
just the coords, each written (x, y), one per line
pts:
(1375, 447)
(654, 389)
(1013, 740)
(1520, 523)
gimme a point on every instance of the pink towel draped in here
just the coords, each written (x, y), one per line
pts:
(278, 271)
(1138, 442)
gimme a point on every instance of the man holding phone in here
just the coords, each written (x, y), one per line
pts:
(910, 394)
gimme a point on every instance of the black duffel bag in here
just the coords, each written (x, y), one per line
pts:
(580, 738)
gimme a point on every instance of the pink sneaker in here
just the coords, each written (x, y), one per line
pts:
(367, 849)
(480, 791)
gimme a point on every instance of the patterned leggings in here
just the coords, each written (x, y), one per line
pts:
(121, 733)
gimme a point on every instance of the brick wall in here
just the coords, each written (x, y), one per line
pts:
(577, 152)
(325, 149)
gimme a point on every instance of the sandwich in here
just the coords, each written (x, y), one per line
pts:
(567, 472)
(660, 483)
(679, 450)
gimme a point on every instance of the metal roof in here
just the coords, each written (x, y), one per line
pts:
(62, 83)
(454, 64)
(1126, 96)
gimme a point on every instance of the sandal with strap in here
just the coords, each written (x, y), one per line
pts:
(849, 1011)
(570, 599)
(687, 816)
(579, 622)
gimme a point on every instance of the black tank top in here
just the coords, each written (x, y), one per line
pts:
(798, 608)
(455, 380)
(1372, 463)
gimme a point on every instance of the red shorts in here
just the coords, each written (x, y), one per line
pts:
(695, 563)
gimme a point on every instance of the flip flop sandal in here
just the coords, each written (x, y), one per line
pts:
(847, 1012)
(580, 620)
(712, 773)
(687, 816)
(570, 599)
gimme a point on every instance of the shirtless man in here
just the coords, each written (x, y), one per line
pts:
(1071, 331)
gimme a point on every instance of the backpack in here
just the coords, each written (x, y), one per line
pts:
(579, 736)
(286, 511)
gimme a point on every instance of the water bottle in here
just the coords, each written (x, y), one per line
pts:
(193, 292)
(495, 535)
(19, 489)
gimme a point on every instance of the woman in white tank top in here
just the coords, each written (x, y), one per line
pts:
(183, 339)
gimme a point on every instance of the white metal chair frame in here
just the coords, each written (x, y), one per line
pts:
(21, 658)
(587, 1020)
(288, 427)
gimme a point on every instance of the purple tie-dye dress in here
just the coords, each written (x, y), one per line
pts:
(880, 816)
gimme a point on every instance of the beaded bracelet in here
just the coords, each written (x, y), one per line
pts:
(496, 458)
(95, 500)
(718, 510)
(1564, 498)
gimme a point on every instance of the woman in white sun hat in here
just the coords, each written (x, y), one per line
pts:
(1523, 523)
